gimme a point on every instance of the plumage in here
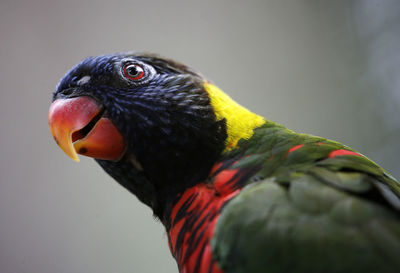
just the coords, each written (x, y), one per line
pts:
(235, 192)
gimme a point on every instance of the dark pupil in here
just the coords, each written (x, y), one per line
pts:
(133, 70)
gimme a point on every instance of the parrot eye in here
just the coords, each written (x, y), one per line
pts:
(133, 72)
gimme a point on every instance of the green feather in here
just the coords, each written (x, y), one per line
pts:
(309, 213)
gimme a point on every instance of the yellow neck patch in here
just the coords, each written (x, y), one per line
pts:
(240, 122)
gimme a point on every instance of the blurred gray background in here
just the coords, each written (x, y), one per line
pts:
(329, 68)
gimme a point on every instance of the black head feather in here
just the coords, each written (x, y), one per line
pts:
(165, 117)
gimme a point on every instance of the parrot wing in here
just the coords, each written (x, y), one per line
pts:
(335, 213)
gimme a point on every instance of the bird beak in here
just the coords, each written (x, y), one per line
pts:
(78, 126)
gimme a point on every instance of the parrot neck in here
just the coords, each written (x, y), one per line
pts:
(240, 122)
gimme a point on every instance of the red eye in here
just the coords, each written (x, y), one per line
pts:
(133, 72)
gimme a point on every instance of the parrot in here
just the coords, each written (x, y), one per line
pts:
(235, 191)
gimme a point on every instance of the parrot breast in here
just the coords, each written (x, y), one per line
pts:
(192, 219)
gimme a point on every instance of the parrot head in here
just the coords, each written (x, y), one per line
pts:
(153, 124)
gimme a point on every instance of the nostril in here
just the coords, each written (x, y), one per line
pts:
(67, 92)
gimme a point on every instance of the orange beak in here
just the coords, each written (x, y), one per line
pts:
(78, 127)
